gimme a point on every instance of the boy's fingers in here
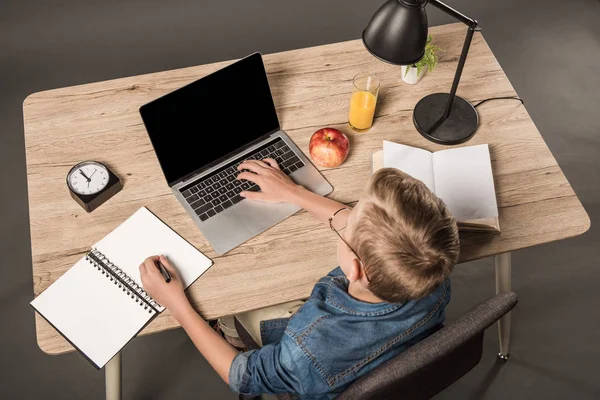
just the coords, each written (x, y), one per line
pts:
(151, 258)
(272, 163)
(142, 270)
(167, 264)
(150, 264)
(252, 165)
(255, 195)
(248, 176)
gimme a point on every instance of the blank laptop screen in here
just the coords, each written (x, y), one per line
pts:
(210, 118)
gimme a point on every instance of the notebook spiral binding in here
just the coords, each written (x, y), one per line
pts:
(124, 282)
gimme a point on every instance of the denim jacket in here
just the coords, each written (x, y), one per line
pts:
(332, 340)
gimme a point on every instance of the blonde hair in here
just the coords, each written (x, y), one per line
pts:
(405, 235)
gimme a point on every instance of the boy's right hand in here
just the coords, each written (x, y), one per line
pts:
(169, 295)
(275, 186)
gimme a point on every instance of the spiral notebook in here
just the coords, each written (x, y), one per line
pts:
(99, 304)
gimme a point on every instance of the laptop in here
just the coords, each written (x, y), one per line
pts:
(203, 131)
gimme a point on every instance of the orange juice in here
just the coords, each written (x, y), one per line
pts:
(362, 109)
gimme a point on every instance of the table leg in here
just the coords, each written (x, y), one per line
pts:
(113, 378)
(503, 278)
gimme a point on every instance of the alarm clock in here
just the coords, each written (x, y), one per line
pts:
(91, 183)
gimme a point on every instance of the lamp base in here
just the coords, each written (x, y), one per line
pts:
(459, 127)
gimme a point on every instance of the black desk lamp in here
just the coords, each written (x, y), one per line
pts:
(397, 34)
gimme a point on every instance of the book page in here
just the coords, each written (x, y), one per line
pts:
(464, 181)
(411, 160)
(481, 224)
(143, 235)
(87, 308)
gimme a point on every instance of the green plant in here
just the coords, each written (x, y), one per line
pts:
(429, 60)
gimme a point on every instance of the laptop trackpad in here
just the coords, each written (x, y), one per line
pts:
(258, 216)
(225, 231)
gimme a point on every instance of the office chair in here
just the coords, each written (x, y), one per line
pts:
(429, 366)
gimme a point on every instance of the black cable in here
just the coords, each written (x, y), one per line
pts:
(500, 98)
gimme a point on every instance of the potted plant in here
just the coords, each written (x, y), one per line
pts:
(412, 74)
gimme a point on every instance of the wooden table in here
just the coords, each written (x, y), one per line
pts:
(311, 89)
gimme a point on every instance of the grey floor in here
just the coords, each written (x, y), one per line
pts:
(549, 49)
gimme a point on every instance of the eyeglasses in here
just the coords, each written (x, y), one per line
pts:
(339, 224)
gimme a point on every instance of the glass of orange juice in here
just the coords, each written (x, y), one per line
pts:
(363, 101)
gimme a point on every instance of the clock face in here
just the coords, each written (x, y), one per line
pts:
(88, 178)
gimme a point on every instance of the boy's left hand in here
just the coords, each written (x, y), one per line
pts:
(169, 295)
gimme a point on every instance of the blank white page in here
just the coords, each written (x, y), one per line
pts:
(411, 160)
(92, 312)
(143, 235)
(464, 181)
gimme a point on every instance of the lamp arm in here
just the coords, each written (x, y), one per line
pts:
(453, 13)
(473, 27)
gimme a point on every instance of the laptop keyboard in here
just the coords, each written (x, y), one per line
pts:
(217, 192)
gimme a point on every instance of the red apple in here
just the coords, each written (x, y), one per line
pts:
(328, 147)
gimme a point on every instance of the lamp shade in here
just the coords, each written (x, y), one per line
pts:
(397, 32)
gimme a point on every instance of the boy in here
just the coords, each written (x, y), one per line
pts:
(396, 250)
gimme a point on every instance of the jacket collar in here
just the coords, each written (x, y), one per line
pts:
(339, 298)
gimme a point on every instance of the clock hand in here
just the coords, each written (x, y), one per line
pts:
(84, 175)
(91, 177)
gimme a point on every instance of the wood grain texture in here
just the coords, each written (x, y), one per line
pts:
(311, 88)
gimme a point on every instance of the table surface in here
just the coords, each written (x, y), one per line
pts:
(311, 88)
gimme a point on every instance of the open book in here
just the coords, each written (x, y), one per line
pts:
(461, 177)
(99, 304)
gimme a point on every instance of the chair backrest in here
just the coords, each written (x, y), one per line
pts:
(437, 361)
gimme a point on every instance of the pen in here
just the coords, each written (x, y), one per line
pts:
(163, 271)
